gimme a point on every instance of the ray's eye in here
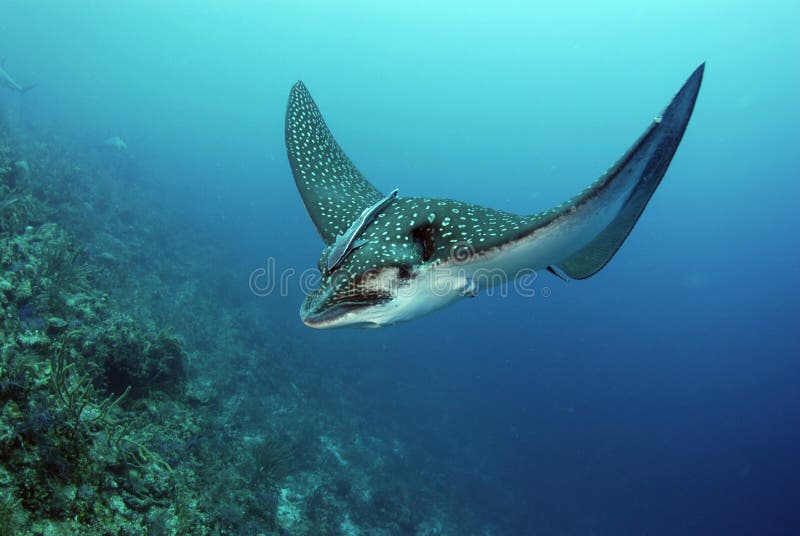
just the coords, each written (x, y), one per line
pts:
(404, 271)
(423, 237)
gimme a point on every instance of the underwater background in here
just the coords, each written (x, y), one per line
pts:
(144, 389)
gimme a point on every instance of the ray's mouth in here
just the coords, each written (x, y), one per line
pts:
(321, 319)
(323, 311)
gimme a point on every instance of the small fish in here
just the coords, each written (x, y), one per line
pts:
(10, 83)
(392, 259)
(115, 142)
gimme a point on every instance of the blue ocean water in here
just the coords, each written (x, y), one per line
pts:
(661, 396)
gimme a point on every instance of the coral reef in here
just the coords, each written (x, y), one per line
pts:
(122, 412)
(77, 453)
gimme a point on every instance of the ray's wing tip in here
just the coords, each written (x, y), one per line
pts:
(695, 79)
(299, 87)
(697, 74)
(682, 104)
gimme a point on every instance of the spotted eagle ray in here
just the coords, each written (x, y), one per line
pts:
(391, 259)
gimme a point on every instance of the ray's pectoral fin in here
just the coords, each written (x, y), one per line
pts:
(334, 191)
(643, 166)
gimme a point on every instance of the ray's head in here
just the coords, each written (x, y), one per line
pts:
(391, 279)
(367, 289)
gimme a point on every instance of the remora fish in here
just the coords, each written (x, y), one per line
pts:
(7, 81)
(391, 260)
